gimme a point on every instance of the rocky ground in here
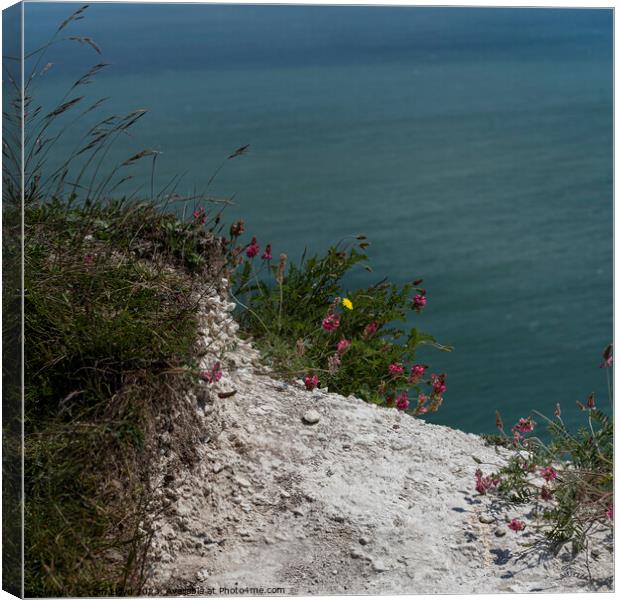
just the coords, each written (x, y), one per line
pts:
(315, 493)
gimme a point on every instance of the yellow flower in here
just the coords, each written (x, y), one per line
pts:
(347, 303)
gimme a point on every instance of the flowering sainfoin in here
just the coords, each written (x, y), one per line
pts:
(419, 302)
(548, 473)
(402, 401)
(253, 249)
(370, 328)
(524, 426)
(590, 403)
(417, 372)
(311, 381)
(331, 322)
(396, 369)
(236, 229)
(422, 400)
(516, 525)
(439, 383)
(485, 483)
(267, 253)
(212, 375)
(343, 345)
(546, 493)
(200, 215)
(333, 363)
(608, 359)
(609, 513)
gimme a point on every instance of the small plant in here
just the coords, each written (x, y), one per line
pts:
(569, 479)
(309, 326)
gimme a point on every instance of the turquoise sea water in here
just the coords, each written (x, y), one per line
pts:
(472, 146)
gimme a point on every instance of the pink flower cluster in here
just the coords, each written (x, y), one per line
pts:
(419, 301)
(267, 253)
(548, 474)
(524, 425)
(610, 512)
(311, 381)
(485, 483)
(402, 401)
(212, 375)
(516, 525)
(200, 216)
(396, 369)
(236, 229)
(439, 384)
(546, 493)
(608, 359)
(331, 322)
(421, 408)
(371, 329)
(343, 345)
(253, 249)
(417, 372)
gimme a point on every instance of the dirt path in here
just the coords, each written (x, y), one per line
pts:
(365, 501)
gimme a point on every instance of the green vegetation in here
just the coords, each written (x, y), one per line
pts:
(569, 479)
(308, 325)
(110, 341)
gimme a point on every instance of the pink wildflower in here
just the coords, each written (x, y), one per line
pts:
(419, 302)
(370, 329)
(402, 401)
(422, 400)
(417, 372)
(609, 513)
(524, 426)
(485, 483)
(546, 493)
(331, 322)
(608, 359)
(516, 525)
(590, 403)
(267, 253)
(343, 345)
(213, 375)
(548, 474)
(200, 215)
(439, 383)
(396, 369)
(253, 249)
(311, 381)
(236, 229)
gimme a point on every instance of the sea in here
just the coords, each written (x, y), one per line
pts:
(473, 146)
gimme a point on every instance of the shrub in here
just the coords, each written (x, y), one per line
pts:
(309, 326)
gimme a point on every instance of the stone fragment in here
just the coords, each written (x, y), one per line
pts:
(311, 417)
